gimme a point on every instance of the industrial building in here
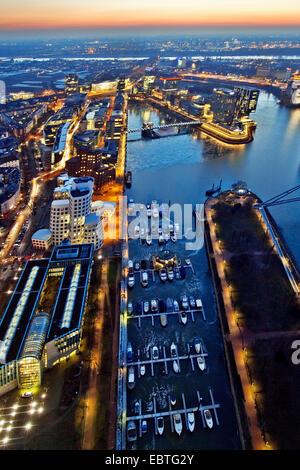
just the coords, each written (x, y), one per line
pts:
(32, 339)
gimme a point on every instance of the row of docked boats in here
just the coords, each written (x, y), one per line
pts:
(169, 306)
(155, 356)
(160, 423)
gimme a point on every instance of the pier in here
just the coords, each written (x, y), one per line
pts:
(157, 314)
(197, 408)
(166, 359)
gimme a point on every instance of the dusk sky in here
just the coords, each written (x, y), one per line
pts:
(27, 14)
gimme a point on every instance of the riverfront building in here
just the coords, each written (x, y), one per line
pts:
(31, 339)
(291, 96)
(223, 105)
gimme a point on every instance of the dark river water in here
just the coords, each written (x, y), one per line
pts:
(180, 169)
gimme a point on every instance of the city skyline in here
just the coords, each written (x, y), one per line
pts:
(59, 14)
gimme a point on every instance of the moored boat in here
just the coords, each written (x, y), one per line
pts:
(146, 306)
(131, 379)
(163, 320)
(129, 352)
(201, 362)
(173, 350)
(160, 425)
(208, 418)
(183, 318)
(176, 367)
(128, 179)
(131, 431)
(177, 423)
(163, 274)
(155, 353)
(197, 345)
(144, 426)
(191, 421)
(173, 400)
(142, 369)
(170, 273)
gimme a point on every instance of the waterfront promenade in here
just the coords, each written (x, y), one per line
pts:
(235, 335)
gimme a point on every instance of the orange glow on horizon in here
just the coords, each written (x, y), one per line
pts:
(63, 16)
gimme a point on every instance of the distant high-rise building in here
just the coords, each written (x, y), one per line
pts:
(148, 83)
(181, 63)
(291, 96)
(223, 105)
(71, 83)
(121, 84)
(247, 101)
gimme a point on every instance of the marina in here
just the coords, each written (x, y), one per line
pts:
(160, 176)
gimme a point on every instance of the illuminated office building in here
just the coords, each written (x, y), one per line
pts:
(247, 101)
(71, 83)
(32, 340)
(223, 105)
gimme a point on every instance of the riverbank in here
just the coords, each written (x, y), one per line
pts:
(259, 318)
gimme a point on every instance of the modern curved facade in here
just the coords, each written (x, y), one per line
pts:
(70, 211)
(31, 363)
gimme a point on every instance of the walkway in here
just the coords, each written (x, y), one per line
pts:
(236, 338)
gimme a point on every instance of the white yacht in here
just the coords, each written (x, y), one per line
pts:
(191, 421)
(177, 423)
(197, 345)
(201, 362)
(173, 350)
(155, 353)
(160, 425)
(131, 380)
(208, 418)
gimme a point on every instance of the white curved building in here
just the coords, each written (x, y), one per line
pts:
(71, 216)
(93, 231)
(42, 239)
